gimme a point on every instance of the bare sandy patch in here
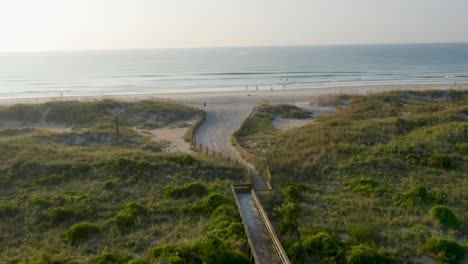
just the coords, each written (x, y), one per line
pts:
(287, 124)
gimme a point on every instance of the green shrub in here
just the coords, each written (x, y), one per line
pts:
(324, 245)
(173, 253)
(130, 211)
(413, 159)
(447, 251)
(81, 231)
(440, 161)
(233, 257)
(212, 202)
(291, 192)
(108, 258)
(136, 261)
(443, 215)
(418, 193)
(365, 255)
(296, 252)
(109, 184)
(223, 216)
(187, 190)
(235, 231)
(186, 159)
(463, 147)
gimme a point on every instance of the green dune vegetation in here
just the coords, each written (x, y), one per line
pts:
(382, 180)
(74, 191)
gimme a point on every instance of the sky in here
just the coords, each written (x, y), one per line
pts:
(39, 25)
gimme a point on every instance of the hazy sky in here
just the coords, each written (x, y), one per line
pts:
(27, 25)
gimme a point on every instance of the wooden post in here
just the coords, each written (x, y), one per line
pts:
(207, 151)
(117, 125)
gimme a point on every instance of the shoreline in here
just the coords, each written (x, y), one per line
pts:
(275, 96)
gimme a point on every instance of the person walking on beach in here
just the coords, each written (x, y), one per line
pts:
(256, 87)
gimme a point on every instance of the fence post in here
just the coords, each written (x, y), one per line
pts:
(207, 151)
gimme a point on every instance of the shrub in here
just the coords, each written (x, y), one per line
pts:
(413, 159)
(80, 232)
(443, 215)
(235, 231)
(365, 255)
(234, 257)
(212, 202)
(136, 261)
(128, 214)
(291, 192)
(324, 245)
(447, 251)
(173, 253)
(222, 216)
(463, 147)
(186, 159)
(109, 184)
(108, 258)
(418, 193)
(187, 190)
(440, 161)
(296, 253)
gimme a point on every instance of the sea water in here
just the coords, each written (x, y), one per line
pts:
(87, 73)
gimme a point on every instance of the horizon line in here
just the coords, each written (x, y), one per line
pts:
(229, 47)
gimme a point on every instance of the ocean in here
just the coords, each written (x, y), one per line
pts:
(89, 73)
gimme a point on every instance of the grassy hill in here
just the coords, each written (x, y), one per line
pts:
(87, 195)
(384, 179)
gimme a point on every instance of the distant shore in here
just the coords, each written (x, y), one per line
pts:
(250, 97)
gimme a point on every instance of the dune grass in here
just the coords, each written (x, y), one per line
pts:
(370, 174)
(90, 196)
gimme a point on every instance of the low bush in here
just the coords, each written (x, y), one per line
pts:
(463, 147)
(447, 251)
(418, 193)
(81, 231)
(174, 254)
(186, 159)
(223, 216)
(443, 215)
(323, 245)
(130, 211)
(413, 159)
(187, 190)
(108, 258)
(440, 161)
(365, 255)
(136, 261)
(296, 252)
(109, 184)
(233, 257)
(212, 202)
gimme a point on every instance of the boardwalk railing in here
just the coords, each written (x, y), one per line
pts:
(279, 250)
(271, 231)
(244, 188)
